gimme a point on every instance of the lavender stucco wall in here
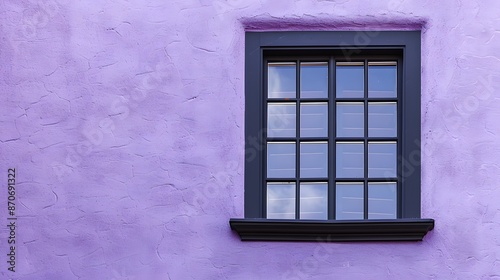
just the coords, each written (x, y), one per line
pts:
(125, 123)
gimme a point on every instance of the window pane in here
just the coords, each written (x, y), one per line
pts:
(350, 119)
(382, 160)
(314, 160)
(382, 201)
(313, 201)
(281, 80)
(281, 120)
(350, 79)
(349, 201)
(314, 80)
(382, 79)
(350, 160)
(313, 119)
(281, 160)
(382, 119)
(281, 200)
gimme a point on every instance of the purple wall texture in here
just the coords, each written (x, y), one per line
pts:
(125, 123)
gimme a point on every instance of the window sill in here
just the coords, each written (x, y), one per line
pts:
(332, 230)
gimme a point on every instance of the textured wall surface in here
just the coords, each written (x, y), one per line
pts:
(125, 123)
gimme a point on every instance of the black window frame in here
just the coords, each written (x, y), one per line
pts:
(259, 46)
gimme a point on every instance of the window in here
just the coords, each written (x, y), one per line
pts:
(332, 137)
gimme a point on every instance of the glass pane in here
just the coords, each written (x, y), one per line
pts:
(350, 160)
(281, 200)
(280, 160)
(281, 120)
(350, 119)
(314, 80)
(314, 119)
(349, 201)
(382, 79)
(314, 160)
(281, 80)
(313, 201)
(382, 119)
(382, 203)
(350, 79)
(382, 159)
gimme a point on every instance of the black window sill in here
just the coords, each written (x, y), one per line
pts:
(332, 230)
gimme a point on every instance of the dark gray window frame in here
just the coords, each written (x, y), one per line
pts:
(259, 45)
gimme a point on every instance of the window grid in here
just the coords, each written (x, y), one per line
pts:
(332, 196)
(332, 139)
(297, 141)
(366, 126)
